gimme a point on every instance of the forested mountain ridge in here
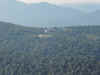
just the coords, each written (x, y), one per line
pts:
(49, 51)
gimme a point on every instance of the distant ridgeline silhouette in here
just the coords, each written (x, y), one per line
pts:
(45, 14)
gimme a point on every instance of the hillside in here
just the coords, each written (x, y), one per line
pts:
(49, 51)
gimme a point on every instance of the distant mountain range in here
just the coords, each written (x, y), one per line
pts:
(44, 14)
(87, 7)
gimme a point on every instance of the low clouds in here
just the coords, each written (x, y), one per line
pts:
(60, 1)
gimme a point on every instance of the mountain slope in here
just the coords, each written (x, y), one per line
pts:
(68, 50)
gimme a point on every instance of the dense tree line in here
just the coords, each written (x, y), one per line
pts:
(70, 50)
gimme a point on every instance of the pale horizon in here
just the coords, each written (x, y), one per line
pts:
(59, 1)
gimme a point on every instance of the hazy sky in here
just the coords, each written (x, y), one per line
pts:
(61, 1)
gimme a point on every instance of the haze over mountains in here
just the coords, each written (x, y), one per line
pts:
(45, 14)
(85, 7)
